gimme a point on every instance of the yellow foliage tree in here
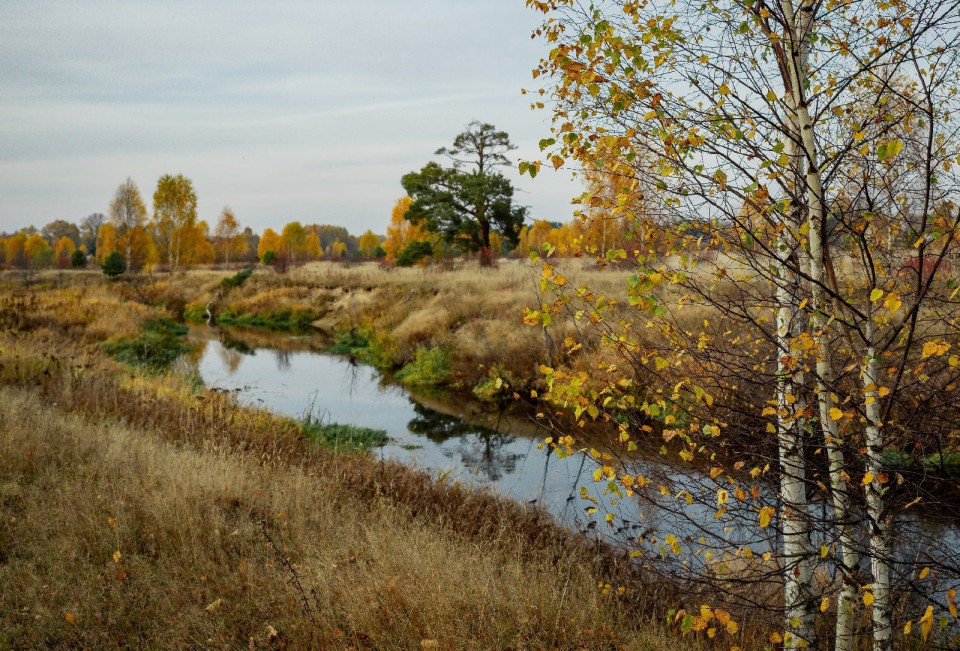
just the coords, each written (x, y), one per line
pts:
(401, 233)
(269, 241)
(369, 243)
(61, 253)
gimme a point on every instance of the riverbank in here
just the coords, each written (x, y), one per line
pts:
(141, 509)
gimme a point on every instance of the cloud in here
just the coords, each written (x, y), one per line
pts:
(307, 110)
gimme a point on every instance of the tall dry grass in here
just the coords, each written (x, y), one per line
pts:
(133, 518)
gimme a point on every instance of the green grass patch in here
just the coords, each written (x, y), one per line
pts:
(344, 437)
(195, 313)
(378, 350)
(354, 343)
(159, 344)
(430, 367)
(290, 319)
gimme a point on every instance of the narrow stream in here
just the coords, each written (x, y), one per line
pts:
(458, 439)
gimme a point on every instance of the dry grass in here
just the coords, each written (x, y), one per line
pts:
(191, 494)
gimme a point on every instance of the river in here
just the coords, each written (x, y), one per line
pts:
(459, 439)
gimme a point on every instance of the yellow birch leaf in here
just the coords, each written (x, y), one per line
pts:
(924, 572)
(926, 623)
(824, 604)
(766, 514)
(867, 478)
(908, 627)
(724, 89)
(876, 295)
(867, 599)
(836, 413)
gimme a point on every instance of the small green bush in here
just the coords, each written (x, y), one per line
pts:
(114, 265)
(77, 259)
(430, 367)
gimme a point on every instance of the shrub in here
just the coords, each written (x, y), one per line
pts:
(114, 265)
(77, 259)
(268, 256)
(237, 279)
(413, 253)
(430, 367)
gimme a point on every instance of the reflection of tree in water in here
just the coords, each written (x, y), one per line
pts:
(481, 449)
(283, 358)
(231, 351)
(235, 344)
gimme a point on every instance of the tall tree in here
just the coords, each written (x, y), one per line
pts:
(88, 231)
(127, 213)
(467, 201)
(229, 240)
(369, 243)
(174, 211)
(58, 229)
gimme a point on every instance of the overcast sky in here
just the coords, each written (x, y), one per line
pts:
(308, 111)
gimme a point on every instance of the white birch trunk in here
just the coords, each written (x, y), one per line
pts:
(816, 215)
(879, 530)
(799, 617)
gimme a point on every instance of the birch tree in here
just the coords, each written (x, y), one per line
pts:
(756, 121)
(174, 211)
(127, 214)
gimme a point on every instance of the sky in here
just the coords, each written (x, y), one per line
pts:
(296, 110)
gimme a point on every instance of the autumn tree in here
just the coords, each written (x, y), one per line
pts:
(89, 227)
(127, 214)
(269, 241)
(58, 229)
(174, 211)
(401, 232)
(63, 252)
(107, 242)
(15, 250)
(230, 241)
(785, 142)
(369, 243)
(38, 253)
(466, 202)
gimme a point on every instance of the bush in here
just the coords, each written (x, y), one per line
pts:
(77, 259)
(237, 279)
(414, 253)
(268, 256)
(430, 367)
(114, 265)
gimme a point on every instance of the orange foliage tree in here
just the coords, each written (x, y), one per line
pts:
(400, 232)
